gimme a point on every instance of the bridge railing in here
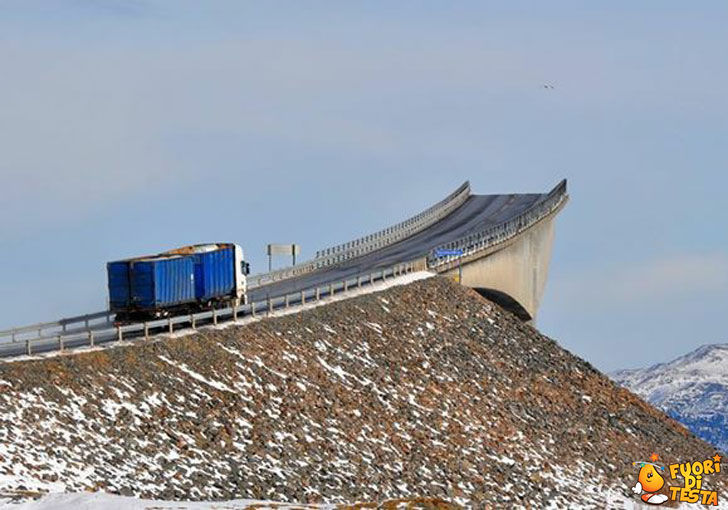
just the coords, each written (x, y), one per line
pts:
(60, 326)
(48, 340)
(372, 242)
(399, 231)
(499, 233)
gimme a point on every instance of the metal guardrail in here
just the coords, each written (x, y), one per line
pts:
(399, 231)
(90, 337)
(53, 328)
(370, 243)
(500, 233)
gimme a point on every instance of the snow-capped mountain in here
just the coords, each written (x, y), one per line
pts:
(693, 389)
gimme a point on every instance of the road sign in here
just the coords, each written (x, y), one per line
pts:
(282, 249)
(444, 253)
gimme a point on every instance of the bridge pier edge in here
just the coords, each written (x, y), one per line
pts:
(518, 270)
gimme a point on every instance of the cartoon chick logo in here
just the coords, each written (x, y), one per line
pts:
(650, 481)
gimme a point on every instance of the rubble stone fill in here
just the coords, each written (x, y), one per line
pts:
(422, 390)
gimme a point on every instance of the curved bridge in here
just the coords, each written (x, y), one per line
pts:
(505, 242)
(499, 245)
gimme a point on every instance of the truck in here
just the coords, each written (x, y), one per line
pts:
(182, 280)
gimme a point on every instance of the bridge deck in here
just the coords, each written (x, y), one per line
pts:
(477, 213)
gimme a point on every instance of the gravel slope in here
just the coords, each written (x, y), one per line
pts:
(420, 390)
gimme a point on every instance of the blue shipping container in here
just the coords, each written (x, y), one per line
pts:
(215, 273)
(151, 283)
(119, 291)
(162, 282)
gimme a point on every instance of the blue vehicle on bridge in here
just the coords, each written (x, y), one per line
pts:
(183, 280)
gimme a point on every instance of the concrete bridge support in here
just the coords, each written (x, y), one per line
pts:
(512, 274)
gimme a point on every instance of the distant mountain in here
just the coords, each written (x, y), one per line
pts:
(693, 389)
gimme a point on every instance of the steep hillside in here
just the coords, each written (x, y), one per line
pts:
(421, 390)
(693, 389)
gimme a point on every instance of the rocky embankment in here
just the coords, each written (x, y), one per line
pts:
(421, 390)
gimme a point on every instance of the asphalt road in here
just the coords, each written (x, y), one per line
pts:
(477, 213)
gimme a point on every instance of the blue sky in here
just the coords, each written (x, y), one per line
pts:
(127, 127)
